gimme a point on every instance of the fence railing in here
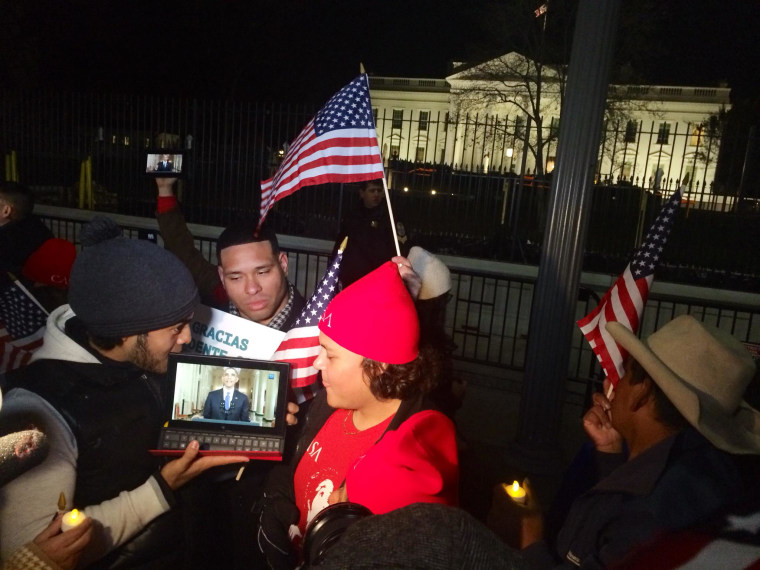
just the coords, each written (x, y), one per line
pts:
(450, 206)
(488, 315)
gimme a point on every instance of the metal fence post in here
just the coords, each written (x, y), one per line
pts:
(555, 299)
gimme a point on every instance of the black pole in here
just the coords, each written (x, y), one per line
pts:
(536, 448)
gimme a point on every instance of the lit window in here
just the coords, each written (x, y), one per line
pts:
(420, 155)
(697, 132)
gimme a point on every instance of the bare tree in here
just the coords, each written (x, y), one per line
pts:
(528, 83)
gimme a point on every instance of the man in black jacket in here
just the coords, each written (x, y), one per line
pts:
(370, 238)
(251, 279)
(21, 232)
(96, 387)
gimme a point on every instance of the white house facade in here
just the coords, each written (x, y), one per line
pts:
(479, 120)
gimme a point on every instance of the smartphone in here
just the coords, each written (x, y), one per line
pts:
(164, 162)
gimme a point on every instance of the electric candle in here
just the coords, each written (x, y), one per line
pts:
(71, 519)
(516, 492)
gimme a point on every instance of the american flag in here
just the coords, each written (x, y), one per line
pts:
(625, 300)
(540, 10)
(338, 145)
(301, 343)
(22, 324)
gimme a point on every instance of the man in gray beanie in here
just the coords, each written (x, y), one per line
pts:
(96, 385)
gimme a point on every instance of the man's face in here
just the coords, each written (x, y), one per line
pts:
(229, 378)
(255, 279)
(6, 211)
(620, 397)
(371, 195)
(150, 351)
(342, 376)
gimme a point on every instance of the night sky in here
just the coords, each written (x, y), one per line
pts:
(303, 51)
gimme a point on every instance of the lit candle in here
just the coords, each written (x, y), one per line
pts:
(72, 519)
(516, 492)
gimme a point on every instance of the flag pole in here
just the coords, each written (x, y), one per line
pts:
(390, 213)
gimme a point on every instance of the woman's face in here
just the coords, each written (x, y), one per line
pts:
(342, 376)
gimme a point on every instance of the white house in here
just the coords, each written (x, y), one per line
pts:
(483, 118)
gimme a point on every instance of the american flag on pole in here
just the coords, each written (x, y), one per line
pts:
(339, 144)
(540, 10)
(22, 324)
(301, 343)
(625, 300)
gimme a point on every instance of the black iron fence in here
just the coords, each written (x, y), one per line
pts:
(488, 316)
(492, 209)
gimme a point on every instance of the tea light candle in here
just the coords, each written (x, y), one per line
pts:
(71, 519)
(516, 492)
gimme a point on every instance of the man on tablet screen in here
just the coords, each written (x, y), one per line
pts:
(227, 403)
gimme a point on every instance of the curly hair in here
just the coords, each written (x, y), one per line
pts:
(403, 381)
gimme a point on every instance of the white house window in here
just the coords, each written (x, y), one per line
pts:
(631, 129)
(424, 119)
(398, 118)
(554, 128)
(697, 132)
(420, 154)
(519, 126)
(663, 135)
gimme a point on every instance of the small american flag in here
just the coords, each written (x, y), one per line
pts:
(625, 300)
(540, 10)
(22, 324)
(301, 343)
(338, 145)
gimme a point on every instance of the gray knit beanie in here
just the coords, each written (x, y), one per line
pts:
(120, 287)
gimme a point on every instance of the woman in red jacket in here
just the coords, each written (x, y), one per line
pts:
(369, 437)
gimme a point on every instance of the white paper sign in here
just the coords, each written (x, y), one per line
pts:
(217, 333)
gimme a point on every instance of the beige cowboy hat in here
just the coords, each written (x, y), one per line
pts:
(704, 372)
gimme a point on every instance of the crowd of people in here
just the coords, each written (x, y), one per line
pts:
(671, 447)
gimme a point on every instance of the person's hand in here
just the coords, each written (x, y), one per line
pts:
(599, 428)
(517, 524)
(411, 279)
(179, 471)
(165, 186)
(532, 518)
(339, 495)
(64, 548)
(290, 417)
(274, 535)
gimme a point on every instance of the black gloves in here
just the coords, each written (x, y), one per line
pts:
(277, 514)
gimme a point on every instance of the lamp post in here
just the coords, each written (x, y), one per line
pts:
(553, 313)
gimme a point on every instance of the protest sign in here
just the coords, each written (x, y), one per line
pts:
(217, 333)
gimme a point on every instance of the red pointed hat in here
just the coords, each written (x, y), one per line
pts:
(51, 263)
(375, 317)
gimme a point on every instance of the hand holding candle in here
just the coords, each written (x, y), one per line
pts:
(72, 519)
(516, 493)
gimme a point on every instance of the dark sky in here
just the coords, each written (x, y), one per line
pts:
(301, 50)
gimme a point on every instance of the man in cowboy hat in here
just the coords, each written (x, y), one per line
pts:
(679, 412)
(662, 440)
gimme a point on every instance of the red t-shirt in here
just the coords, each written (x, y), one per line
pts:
(322, 469)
